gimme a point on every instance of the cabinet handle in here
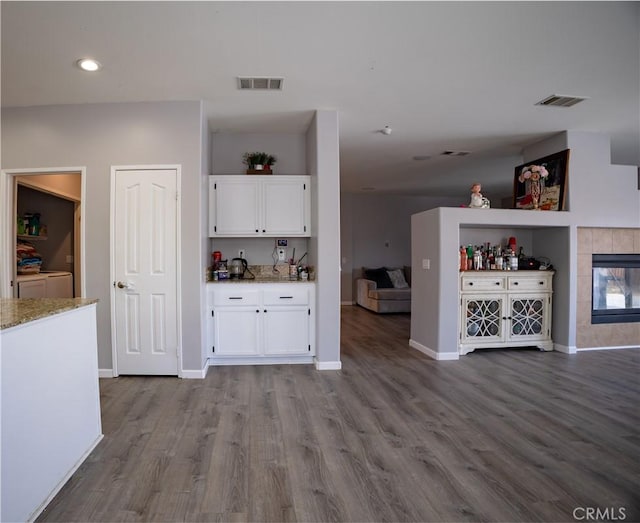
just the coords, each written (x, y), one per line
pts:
(497, 283)
(265, 310)
(235, 297)
(264, 230)
(257, 310)
(286, 297)
(541, 282)
(515, 283)
(470, 284)
(257, 230)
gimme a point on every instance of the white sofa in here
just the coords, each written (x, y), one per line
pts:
(383, 300)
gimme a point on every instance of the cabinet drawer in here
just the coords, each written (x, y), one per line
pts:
(529, 283)
(295, 295)
(475, 283)
(235, 295)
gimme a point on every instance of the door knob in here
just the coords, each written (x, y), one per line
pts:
(122, 285)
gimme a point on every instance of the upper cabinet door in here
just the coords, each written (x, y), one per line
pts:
(234, 206)
(285, 206)
(259, 206)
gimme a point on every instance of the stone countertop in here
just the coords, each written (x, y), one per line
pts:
(258, 280)
(16, 311)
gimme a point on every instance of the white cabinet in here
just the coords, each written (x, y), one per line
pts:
(261, 322)
(505, 309)
(259, 206)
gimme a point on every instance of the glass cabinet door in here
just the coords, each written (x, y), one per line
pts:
(482, 318)
(528, 316)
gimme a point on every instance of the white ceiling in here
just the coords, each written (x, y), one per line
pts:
(444, 75)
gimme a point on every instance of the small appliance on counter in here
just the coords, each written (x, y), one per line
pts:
(239, 270)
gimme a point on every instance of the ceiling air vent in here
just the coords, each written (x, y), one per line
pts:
(455, 153)
(263, 83)
(559, 100)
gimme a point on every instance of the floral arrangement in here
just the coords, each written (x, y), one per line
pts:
(533, 172)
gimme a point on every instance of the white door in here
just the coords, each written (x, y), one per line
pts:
(145, 253)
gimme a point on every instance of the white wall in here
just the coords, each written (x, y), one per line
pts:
(205, 170)
(227, 150)
(369, 222)
(323, 162)
(101, 135)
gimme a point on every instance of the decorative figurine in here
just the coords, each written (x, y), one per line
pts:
(477, 200)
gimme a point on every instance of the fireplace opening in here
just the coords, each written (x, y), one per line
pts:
(615, 294)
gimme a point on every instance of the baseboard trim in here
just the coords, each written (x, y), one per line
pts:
(105, 373)
(268, 360)
(328, 365)
(617, 347)
(439, 356)
(564, 348)
(195, 374)
(347, 303)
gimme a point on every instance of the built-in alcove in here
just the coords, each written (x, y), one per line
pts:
(615, 294)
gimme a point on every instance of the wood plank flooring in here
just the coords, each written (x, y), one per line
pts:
(500, 435)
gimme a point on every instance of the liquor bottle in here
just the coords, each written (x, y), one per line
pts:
(463, 259)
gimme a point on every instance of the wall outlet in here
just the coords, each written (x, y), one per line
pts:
(241, 253)
(282, 254)
(426, 263)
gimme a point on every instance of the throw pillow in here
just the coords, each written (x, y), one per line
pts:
(397, 278)
(380, 276)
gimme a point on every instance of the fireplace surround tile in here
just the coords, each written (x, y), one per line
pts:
(602, 241)
(585, 240)
(623, 241)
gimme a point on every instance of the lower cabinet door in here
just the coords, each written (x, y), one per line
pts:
(286, 330)
(529, 315)
(236, 331)
(482, 318)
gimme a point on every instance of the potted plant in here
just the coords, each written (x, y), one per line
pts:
(258, 161)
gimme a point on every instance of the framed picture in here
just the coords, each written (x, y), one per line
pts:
(553, 185)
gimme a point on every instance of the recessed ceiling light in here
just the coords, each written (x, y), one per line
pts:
(88, 64)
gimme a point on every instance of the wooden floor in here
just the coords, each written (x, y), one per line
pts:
(500, 435)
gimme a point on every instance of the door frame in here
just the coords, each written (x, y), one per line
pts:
(112, 264)
(8, 232)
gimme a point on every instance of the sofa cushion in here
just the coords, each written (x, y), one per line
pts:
(390, 294)
(397, 278)
(379, 276)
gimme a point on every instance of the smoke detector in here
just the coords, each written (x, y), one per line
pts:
(260, 83)
(560, 100)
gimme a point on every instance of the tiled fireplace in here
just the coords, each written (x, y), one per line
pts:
(602, 241)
